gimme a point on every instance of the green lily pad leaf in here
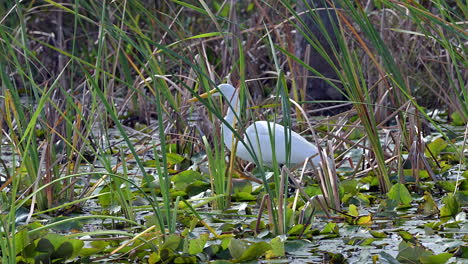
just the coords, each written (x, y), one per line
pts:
(70, 249)
(377, 234)
(44, 245)
(404, 207)
(197, 187)
(42, 258)
(185, 178)
(175, 193)
(244, 196)
(22, 240)
(29, 251)
(108, 196)
(451, 207)
(96, 247)
(389, 258)
(330, 228)
(346, 198)
(253, 225)
(364, 220)
(296, 229)
(59, 247)
(154, 258)
(436, 259)
(51, 240)
(463, 185)
(409, 253)
(423, 174)
(65, 251)
(360, 241)
(364, 198)
(434, 225)
(353, 210)
(370, 179)
(212, 250)
(185, 260)
(228, 227)
(254, 251)
(313, 190)
(167, 255)
(197, 245)
(277, 248)
(436, 147)
(335, 257)
(295, 245)
(36, 234)
(399, 193)
(173, 158)
(150, 163)
(226, 241)
(447, 185)
(464, 250)
(237, 248)
(241, 186)
(457, 119)
(407, 236)
(388, 205)
(429, 206)
(221, 261)
(428, 231)
(172, 242)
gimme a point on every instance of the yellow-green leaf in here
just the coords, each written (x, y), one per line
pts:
(399, 193)
(436, 147)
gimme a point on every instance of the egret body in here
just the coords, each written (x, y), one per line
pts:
(259, 134)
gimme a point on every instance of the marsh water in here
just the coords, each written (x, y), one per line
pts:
(378, 240)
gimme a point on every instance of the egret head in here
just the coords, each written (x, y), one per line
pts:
(227, 90)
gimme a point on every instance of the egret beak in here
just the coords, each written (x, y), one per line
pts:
(205, 95)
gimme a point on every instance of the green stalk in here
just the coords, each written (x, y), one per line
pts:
(110, 110)
(217, 166)
(163, 175)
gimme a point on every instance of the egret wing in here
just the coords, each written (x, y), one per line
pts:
(260, 134)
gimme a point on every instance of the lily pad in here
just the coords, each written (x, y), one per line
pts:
(429, 206)
(197, 245)
(57, 247)
(410, 253)
(242, 252)
(436, 259)
(185, 178)
(96, 247)
(277, 248)
(399, 193)
(458, 119)
(451, 207)
(436, 146)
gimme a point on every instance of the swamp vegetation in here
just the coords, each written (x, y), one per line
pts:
(103, 159)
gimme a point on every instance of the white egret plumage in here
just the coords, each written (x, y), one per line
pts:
(259, 136)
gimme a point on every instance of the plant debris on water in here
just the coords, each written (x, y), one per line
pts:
(104, 157)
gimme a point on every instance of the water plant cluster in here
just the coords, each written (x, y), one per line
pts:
(104, 159)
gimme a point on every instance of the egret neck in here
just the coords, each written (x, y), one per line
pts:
(232, 96)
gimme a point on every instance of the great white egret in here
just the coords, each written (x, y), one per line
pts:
(259, 134)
